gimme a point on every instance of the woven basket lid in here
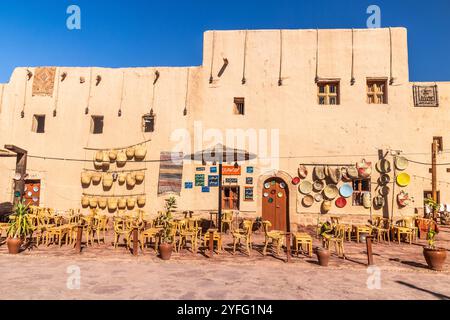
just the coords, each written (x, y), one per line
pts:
(305, 187)
(383, 166)
(401, 163)
(331, 191)
(308, 201)
(319, 172)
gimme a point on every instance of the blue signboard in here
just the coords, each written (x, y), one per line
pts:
(213, 169)
(205, 189)
(200, 169)
(249, 169)
(188, 185)
(213, 181)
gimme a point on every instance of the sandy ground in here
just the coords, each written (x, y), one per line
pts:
(105, 273)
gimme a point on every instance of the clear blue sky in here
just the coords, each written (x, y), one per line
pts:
(119, 33)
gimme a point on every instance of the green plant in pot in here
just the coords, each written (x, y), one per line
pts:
(166, 233)
(19, 227)
(323, 254)
(434, 256)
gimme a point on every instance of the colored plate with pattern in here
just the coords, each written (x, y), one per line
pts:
(341, 202)
(331, 191)
(280, 194)
(267, 185)
(308, 201)
(296, 181)
(305, 187)
(346, 190)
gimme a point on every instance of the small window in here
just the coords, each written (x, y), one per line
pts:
(97, 124)
(360, 186)
(38, 123)
(328, 93)
(148, 123)
(439, 143)
(376, 91)
(239, 106)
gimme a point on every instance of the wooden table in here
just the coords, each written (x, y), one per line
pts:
(288, 244)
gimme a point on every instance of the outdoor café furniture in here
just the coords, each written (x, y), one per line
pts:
(217, 239)
(335, 220)
(227, 219)
(120, 229)
(400, 229)
(150, 235)
(56, 234)
(304, 242)
(188, 214)
(244, 235)
(337, 237)
(3, 226)
(188, 231)
(211, 221)
(274, 237)
(382, 229)
(361, 229)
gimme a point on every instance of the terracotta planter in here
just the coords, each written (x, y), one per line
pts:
(14, 245)
(435, 257)
(323, 255)
(165, 250)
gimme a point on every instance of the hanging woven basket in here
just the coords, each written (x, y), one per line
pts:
(131, 181)
(112, 154)
(85, 178)
(122, 203)
(122, 178)
(84, 201)
(131, 202)
(112, 204)
(102, 202)
(139, 177)
(140, 152)
(98, 156)
(96, 177)
(121, 159)
(98, 165)
(93, 202)
(130, 152)
(141, 201)
(107, 180)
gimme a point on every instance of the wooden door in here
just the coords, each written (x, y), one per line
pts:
(230, 197)
(275, 203)
(32, 192)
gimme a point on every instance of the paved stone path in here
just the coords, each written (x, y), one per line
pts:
(106, 273)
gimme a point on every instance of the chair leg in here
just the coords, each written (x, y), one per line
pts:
(265, 247)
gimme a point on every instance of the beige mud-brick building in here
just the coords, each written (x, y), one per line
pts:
(317, 97)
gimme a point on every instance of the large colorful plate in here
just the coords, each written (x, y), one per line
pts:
(346, 190)
(403, 179)
(341, 202)
(331, 192)
(305, 187)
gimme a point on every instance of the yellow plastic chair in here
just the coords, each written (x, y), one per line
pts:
(150, 235)
(188, 229)
(401, 229)
(304, 242)
(383, 229)
(244, 235)
(274, 237)
(120, 229)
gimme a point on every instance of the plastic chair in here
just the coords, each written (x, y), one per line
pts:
(338, 238)
(227, 220)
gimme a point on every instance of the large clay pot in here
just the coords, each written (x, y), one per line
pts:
(14, 245)
(435, 257)
(165, 250)
(323, 255)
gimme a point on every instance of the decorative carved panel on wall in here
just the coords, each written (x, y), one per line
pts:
(425, 96)
(44, 81)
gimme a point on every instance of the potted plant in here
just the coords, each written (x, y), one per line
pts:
(434, 256)
(19, 228)
(424, 224)
(166, 236)
(323, 254)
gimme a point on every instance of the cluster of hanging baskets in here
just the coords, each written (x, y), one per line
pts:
(103, 159)
(107, 178)
(113, 203)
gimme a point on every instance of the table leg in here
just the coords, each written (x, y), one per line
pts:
(211, 244)
(288, 247)
(135, 241)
